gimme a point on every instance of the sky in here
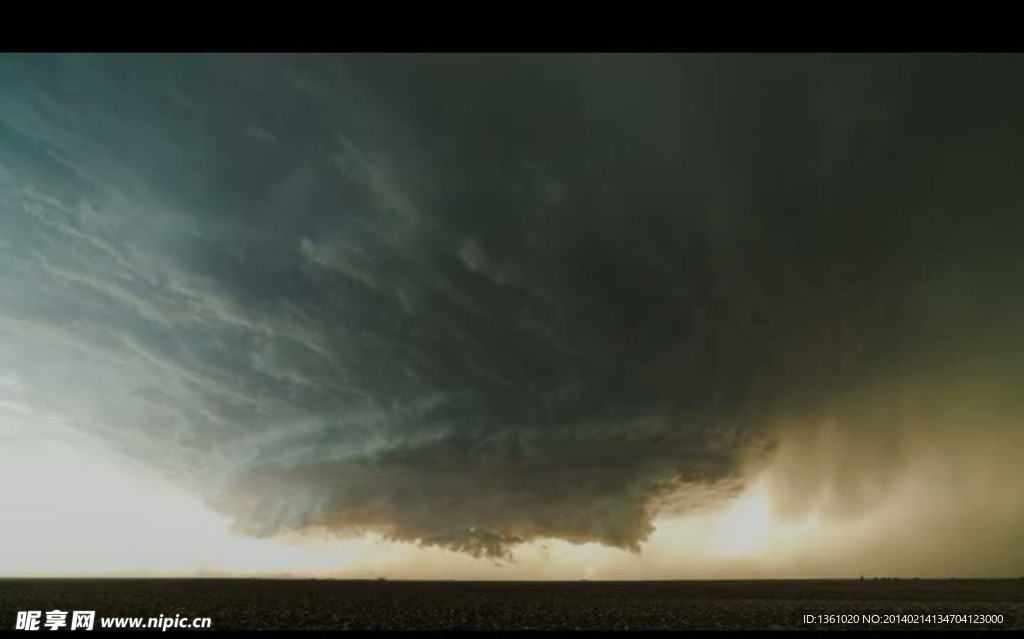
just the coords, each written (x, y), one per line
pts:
(496, 316)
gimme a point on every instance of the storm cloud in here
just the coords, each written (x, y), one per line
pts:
(476, 300)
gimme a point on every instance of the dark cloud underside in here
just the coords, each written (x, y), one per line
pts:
(476, 300)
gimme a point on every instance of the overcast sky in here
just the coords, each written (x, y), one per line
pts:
(530, 316)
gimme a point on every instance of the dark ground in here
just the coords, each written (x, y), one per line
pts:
(280, 604)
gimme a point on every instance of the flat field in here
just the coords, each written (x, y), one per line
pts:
(327, 604)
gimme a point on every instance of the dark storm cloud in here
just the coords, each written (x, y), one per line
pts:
(476, 300)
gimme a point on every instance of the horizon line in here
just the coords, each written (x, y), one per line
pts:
(427, 580)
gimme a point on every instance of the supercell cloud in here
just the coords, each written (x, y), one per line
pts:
(475, 300)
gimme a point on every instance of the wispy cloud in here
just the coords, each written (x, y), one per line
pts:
(471, 304)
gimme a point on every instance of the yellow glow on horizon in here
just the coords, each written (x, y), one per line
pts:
(72, 510)
(746, 526)
(77, 512)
